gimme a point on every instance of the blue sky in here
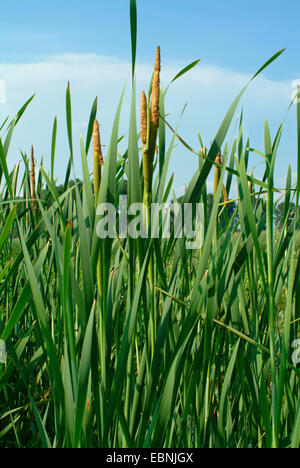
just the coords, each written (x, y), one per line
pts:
(43, 44)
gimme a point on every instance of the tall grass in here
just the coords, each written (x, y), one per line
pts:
(140, 342)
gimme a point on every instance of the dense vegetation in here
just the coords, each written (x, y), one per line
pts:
(142, 342)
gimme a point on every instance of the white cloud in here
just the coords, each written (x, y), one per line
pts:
(2, 92)
(208, 90)
(80, 125)
(295, 87)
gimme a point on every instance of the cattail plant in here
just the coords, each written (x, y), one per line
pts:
(148, 343)
(154, 108)
(149, 129)
(217, 172)
(155, 91)
(98, 158)
(98, 163)
(33, 182)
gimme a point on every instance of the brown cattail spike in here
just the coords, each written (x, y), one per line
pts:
(143, 118)
(98, 158)
(155, 91)
(150, 135)
(97, 142)
(33, 183)
(217, 173)
(157, 64)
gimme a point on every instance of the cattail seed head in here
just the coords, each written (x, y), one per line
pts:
(97, 142)
(143, 118)
(98, 158)
(155, 90)
(219, 158)
(150, 148)
(217, 172)
(33, 182)
(157, 64)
